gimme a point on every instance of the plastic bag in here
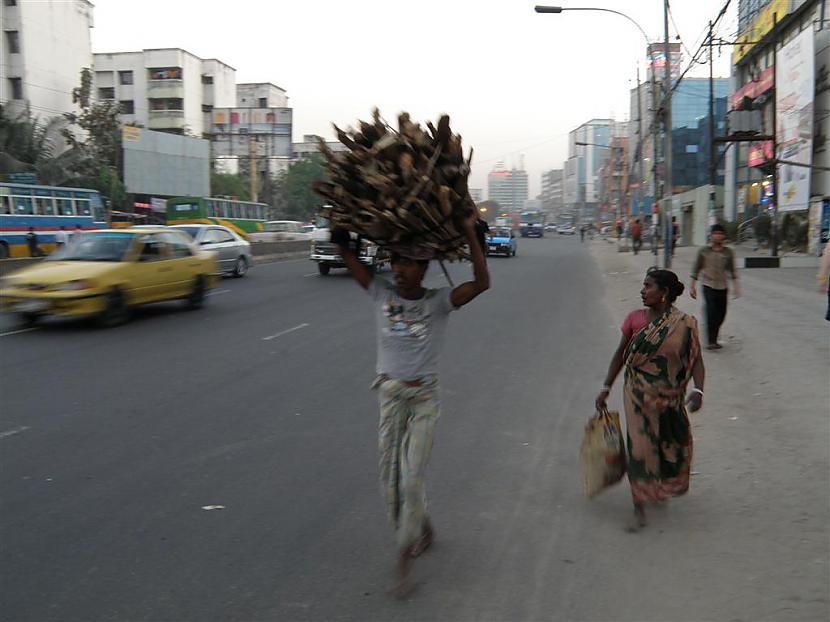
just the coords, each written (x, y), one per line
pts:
(602, 453)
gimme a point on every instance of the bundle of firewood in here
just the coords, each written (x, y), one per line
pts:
(402, 188)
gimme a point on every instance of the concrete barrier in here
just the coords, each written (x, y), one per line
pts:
(280, 248)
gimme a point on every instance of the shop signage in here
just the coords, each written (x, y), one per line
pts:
(755, 88)
(759, 28)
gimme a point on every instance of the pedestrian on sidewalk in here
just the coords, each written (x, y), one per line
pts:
(823, 272)
(31, 242)
(61, 237)
(675, 233)
(411, 321)
(714, 261)
(636, 236)
(660, 351)
(582, 233)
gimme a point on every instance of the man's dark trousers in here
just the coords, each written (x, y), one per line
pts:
(715, 311)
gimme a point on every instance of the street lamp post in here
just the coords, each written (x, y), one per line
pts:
(666, 106)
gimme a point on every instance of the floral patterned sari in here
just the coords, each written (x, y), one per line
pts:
(658, 365)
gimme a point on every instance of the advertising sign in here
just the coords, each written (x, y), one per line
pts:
(755, 88)
(794, 79)
(759, 28)
(760, 153)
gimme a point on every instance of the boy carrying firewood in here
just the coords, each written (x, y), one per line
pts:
(411, 321)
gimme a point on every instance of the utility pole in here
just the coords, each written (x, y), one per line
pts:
(712, 150)
(253, 165)
(667, 181)
(639, 149)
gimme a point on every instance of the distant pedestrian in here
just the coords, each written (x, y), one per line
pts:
(823, 272)
(619, 229)
(581, 233)
(636, 236)
(77, 234)
(411, 322)
(654, 234)
(660, 351)
(31, 242)
(675, 234)
(714, 261)
(61, 238)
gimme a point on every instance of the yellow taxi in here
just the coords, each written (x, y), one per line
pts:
(106, 272)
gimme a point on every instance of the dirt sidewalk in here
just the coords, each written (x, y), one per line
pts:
(762, 442)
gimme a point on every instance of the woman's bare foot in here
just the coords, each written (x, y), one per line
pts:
(639, 521)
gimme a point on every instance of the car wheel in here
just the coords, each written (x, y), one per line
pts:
(29, 319)
(324, 268)
(196, 298)
(240, 268)
(116, 311)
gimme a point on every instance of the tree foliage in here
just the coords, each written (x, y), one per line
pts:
(225, 184)
(297, 198)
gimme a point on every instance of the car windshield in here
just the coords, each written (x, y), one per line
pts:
(191, 231)
(500, 233)
(95, 247)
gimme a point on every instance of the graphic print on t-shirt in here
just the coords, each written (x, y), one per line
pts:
(412, 322)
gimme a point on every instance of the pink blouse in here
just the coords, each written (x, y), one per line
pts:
(633, 322)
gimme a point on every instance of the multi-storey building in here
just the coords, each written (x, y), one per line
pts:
(587, 150)
(258, 128)
(791, 101)
(310, 146)
(44, 48)
(615, 186)
(507, 188)
(169, 89)
(552, 189)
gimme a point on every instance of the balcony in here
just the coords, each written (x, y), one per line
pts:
(165, 89)
(166, 120)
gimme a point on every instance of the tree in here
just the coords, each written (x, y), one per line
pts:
(489, 209)
(96, 138)
(295, 188)
(226, 184)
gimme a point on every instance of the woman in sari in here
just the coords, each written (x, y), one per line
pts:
(661, 353)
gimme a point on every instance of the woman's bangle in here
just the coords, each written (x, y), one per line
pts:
(605, 387)
(821, 278)
(696, 390)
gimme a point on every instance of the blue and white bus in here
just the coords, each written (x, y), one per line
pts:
(46, 209)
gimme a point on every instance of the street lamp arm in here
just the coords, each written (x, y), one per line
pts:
(560, 9)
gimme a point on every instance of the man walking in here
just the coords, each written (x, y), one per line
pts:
(411, 321)
(714, 261)
(31, 242)
(61, 238)
(636, 236)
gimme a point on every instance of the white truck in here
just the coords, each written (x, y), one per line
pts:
(327, 255)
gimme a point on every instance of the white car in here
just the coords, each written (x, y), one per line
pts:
(233, 254)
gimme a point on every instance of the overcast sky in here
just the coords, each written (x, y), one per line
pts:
(514, 82)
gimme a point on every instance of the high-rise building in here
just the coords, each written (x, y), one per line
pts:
(45, 46)
(552, 189)
(476, 194)
(690, 138)
(169, 89)
(587, 151)
(507, 188)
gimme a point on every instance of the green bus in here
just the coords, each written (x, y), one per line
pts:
(244, 217)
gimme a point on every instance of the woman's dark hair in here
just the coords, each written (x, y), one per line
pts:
(667, 281)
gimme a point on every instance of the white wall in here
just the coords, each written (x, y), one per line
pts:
(54, 47)
(107, 68)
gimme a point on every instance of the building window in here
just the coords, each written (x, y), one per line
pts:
(127, 106)
(167, 103)
(207, 79)
(106, 92)
(165, 73)
(125, 77)
(16, 85)
(263, 102)
(13, 41)
(207, 108)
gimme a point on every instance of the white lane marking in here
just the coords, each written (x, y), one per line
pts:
(219, 291)
(284, 332)
(305, 276)
(17, 332)
(14, 431)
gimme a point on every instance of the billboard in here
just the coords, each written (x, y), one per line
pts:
(771, 14)
(794, 79)
(275, 121)
(159, 163)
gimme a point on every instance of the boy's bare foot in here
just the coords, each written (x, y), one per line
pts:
(402, 585)
(425, 540)
(639, 521)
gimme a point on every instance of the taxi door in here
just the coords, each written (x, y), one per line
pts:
(185, 265)
(151, 270)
